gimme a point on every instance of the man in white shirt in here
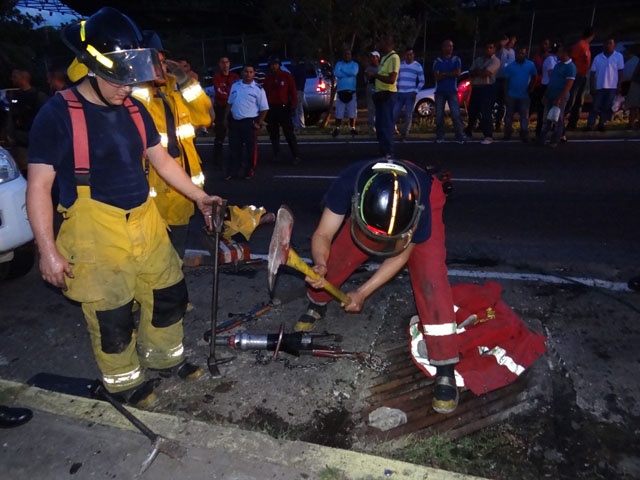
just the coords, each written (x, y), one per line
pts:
(249, 106)
(606, 80)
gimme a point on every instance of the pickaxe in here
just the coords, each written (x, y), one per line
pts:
(281, 253)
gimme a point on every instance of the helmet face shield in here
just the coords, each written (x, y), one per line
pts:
(126, 67)
(385, 208)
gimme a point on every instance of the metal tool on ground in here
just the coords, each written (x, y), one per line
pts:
(239, 319)
(217, 220)
(160, 444)
(281, 253)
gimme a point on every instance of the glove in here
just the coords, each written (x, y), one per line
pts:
(177, 71)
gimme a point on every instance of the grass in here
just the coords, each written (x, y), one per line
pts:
(331, 474)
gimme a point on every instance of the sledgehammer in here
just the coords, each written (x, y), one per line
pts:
(281, 253)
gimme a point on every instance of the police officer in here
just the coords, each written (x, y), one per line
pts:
(112, 246)
(395, 212)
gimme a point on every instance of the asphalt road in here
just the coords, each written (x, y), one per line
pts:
(574, 208)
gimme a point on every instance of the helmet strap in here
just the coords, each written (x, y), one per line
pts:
(96, 88)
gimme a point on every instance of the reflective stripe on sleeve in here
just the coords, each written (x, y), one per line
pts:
(141, 93)
(440, 330)
(122, 378)
(198, 179)
(185, 131)
(164, 139)
(502, 358)
(192, 92)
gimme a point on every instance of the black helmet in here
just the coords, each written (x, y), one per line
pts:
(110, 45)
(385, 208)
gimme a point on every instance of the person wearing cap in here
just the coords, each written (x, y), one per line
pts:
(178, 105)
(372, 68)
(393, 210)
(282, 97)
(112, 246)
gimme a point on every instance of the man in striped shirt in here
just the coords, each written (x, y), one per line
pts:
(410, 81)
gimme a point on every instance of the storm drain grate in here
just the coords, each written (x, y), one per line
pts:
(405, 387)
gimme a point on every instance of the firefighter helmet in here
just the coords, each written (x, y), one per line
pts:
(385, 208)
(111, 46)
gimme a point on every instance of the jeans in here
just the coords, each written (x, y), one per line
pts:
(481, 103)
(454, 111)
(243, 146)
(220, 131)
(298, 115)
(404, 101)
(574, 105)
(384, 122)
(520, 105)
(501, 98)
(602, 103)
(558, 131)
(371, 107)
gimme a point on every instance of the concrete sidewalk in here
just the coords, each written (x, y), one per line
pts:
(77, 436)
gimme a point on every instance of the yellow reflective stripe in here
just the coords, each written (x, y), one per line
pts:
(152, 192)
(394, 205)
(503, 359)
(100, 57)
(142, 94)
(192, 92)
(440, 330)
(121, 378)
(82, 34)
(185, 131)
(198, 179)
(172, 353)
(416, 338)
(164, 139)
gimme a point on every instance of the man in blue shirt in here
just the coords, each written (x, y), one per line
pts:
(560, 83)
(346, 71)
(249, 107)
(446, 70)
(520, 78)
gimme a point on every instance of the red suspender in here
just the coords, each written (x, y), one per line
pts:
(79, 129)
(137, 119)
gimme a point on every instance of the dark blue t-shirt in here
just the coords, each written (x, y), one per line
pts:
(338, 198)
(446, 65)
(115, 151)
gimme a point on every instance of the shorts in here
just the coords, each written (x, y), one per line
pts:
(350, 107)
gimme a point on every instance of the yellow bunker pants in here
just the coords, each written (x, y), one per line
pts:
(117, 256)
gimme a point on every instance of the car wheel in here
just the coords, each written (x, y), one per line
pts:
(23, 259)
(426, 108)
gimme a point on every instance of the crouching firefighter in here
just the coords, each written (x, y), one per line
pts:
(396, 213)
(112, 246)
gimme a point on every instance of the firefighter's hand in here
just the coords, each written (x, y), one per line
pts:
(177, 71)
(321, 271)
(205, 204)
(357, 301)
(54, 267)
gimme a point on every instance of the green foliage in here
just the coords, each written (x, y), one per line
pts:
(331, 474)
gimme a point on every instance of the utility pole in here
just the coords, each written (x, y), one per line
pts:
(424, 43)
(533, 19)
(593, 14)
(475, 40)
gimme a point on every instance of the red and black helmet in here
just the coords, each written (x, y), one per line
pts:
(385, 207)
(111, 46)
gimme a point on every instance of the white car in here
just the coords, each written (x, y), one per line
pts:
(16, 248)
(425, 104)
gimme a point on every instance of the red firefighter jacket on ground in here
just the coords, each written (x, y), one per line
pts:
(496, 347)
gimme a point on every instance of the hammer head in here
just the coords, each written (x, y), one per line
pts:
(279, 246)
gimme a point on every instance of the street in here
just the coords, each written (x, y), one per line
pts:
(525, 217)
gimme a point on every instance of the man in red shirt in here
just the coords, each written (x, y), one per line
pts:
(222, 82)
(282, 96)
(581, 56)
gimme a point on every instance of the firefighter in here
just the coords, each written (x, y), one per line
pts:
(396, 213)
(112, 245)
(178, 105)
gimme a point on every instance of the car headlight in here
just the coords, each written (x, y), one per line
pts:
(8, 167)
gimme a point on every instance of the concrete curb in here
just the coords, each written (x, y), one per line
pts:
(254, 446)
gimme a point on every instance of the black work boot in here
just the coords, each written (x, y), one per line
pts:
(184, 370)
(14, 417)
(142, 396)
(446, 396)
(315, 311)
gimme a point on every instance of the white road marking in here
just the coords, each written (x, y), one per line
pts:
(485, 274)
(481, 180)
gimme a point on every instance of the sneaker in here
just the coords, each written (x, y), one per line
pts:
(487, 141)
(335, 132)
(353, 131)
(460, 141)
(439, 140)
(446, 395)
(315, 312)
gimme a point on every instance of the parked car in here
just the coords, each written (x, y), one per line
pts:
(425, 104)
(17, 251)
(319, 85)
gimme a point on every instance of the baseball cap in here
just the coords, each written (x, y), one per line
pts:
(375, 53)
